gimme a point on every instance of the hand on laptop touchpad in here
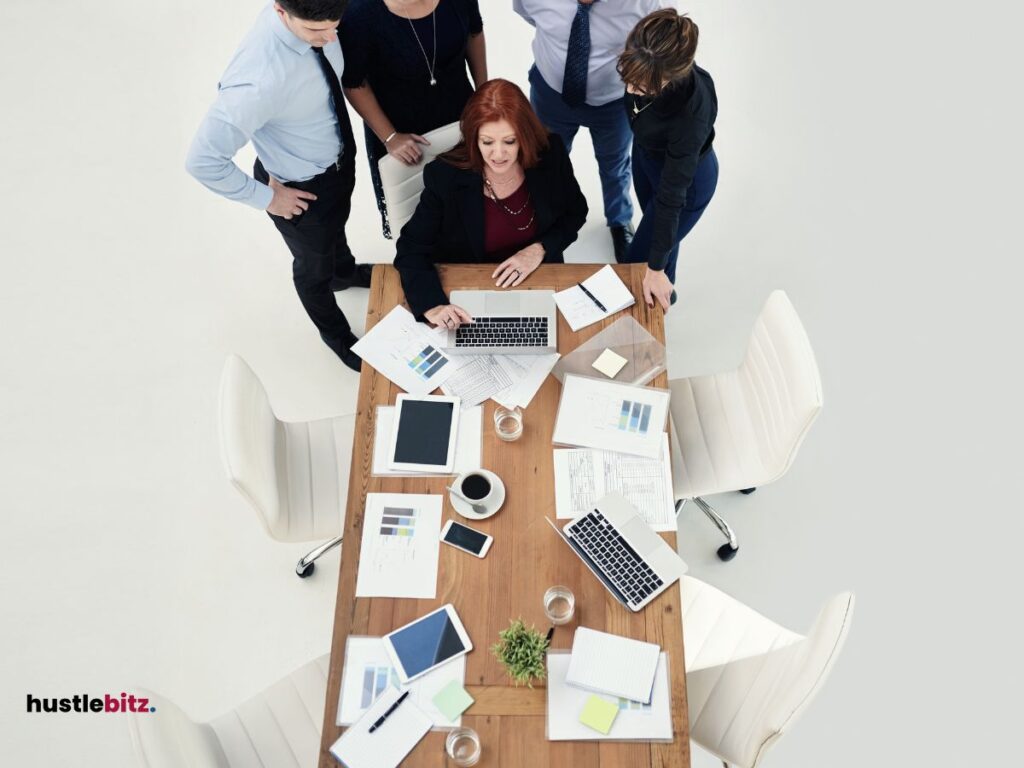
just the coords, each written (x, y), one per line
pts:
(501, 304)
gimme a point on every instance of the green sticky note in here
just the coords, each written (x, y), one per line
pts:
(599, 714)
(452, 700)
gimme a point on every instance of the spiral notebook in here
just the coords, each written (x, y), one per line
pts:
(613, 664)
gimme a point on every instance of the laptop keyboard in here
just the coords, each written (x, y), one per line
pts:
(503, 332)
(620, 563)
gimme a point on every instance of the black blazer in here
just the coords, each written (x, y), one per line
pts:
(448, 224)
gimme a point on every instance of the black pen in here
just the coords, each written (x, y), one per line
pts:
(386, 715)
(593, 298)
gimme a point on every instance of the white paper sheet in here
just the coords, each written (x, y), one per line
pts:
(613, 664)
(387, 746)
(368, 673)
(635, 721)
(579, 310)
(477, 379)
(467, 444)
(584, 475)
(594, 413)
(399, 554)
(529, 373)
(407, 352)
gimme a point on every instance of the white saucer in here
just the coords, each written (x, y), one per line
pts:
(492, 506)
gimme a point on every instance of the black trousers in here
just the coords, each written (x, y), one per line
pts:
(319, 247)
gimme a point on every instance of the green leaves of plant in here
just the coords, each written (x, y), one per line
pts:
(521, 651)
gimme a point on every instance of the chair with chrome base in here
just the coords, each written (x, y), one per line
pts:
(748, 679)
(741, 429)
(279, 727)
(294, 474)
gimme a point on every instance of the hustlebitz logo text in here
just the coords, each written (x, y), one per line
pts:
(83, 702)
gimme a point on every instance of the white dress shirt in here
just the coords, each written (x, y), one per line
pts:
(610, 22)
(275, 95)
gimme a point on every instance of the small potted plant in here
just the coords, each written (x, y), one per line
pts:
(521, 651)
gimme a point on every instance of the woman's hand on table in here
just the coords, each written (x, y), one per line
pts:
(517, 267)
(449, 316)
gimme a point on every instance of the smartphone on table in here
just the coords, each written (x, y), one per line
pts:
(465, 538)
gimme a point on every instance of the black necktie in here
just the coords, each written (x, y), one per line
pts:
(338, 101)
(577, 58)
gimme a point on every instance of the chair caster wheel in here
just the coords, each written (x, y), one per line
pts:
(748, 491)
(304, 572)
(727, 553)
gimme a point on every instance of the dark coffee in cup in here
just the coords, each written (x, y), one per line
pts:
(475, 487)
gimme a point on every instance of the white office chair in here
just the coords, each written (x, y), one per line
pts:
(747, 678)
(403, 183)
(280, 727)
(294, 474)
(741, 429)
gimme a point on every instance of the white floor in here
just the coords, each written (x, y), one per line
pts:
(868, 168)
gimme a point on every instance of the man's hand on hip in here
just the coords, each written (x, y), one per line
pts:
(288, 202)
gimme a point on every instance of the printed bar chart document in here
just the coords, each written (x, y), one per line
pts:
(580, 307)
(368, 673)
(594, 413)
(399, 553)
(584, 475)
(407, 352)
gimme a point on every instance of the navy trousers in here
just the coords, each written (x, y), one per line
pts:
(646, 176)
(610, 133)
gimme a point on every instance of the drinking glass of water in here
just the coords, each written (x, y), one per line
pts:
(508, 423)
(559, 605)
(463, 747)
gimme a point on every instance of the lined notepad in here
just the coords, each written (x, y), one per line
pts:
(387, 746)
(613, 664)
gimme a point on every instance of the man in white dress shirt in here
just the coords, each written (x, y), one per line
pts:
(574, 84)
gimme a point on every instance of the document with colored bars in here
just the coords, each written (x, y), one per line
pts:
(407, 352)
(399, 553)
(584, 475)
(603, 414)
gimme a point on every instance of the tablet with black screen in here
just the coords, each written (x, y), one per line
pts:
(424, 432)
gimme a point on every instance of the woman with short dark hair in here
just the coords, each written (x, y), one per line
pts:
(672, 105)
(506, 194)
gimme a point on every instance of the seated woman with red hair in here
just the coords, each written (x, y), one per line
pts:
(505, 195)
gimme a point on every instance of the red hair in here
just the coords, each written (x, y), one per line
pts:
(493, 101)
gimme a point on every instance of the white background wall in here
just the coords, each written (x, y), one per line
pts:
(870, 166)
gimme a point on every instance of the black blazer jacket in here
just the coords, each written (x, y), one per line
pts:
(448, 224)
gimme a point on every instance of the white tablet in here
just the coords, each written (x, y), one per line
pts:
(427, 643)
(423, 434)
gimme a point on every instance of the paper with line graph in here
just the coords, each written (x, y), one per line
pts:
(583, 475)
(401, 537)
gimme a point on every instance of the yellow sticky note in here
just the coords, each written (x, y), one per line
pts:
(609, 363)
(599, 714)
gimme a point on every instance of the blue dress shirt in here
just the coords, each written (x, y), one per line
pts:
(610, 22)
(273, 94)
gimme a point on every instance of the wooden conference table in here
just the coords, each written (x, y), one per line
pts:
(525, 559)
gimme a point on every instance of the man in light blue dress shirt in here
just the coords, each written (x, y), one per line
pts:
(282, 92)
(605, 24)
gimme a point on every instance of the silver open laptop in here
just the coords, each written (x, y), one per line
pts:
(616, 544)
(505, 322)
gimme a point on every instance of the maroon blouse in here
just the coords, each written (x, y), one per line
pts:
(502, 236)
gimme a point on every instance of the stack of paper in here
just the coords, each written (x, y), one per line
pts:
(613, 664)
(388, 745)
(509, 380)
(467, 443)
(580, 307)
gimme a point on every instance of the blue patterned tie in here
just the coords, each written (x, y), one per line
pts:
(577, 58)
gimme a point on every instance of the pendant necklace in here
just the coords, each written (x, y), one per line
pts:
(431, 64)
(508, 211)
(637, 110)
